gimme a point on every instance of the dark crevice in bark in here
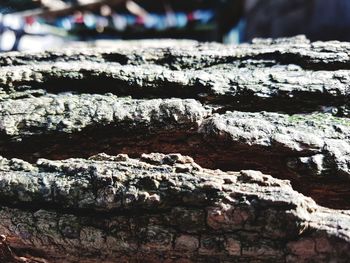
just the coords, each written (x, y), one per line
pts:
(104, 85)
(284, 58)
(298, 102)
(260, 60)
(327, 190)
(21, 60)
(32, 255)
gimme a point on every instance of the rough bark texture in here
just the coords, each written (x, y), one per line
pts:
(275, 106)
(163, 208)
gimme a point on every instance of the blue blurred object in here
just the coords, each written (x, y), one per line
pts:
(192, 19)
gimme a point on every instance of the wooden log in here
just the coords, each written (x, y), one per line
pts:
(275, 106)
(162, 208)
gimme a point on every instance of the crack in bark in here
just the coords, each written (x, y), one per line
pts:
(238, 206)
(166, 207)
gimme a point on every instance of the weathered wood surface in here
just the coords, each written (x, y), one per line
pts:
(163, 208)
(275, 106)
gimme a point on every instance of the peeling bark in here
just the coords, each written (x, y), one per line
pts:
(276, 106)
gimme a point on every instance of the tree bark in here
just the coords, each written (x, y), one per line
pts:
(275, 106)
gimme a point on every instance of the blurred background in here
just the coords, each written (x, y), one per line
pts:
(43, 24)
